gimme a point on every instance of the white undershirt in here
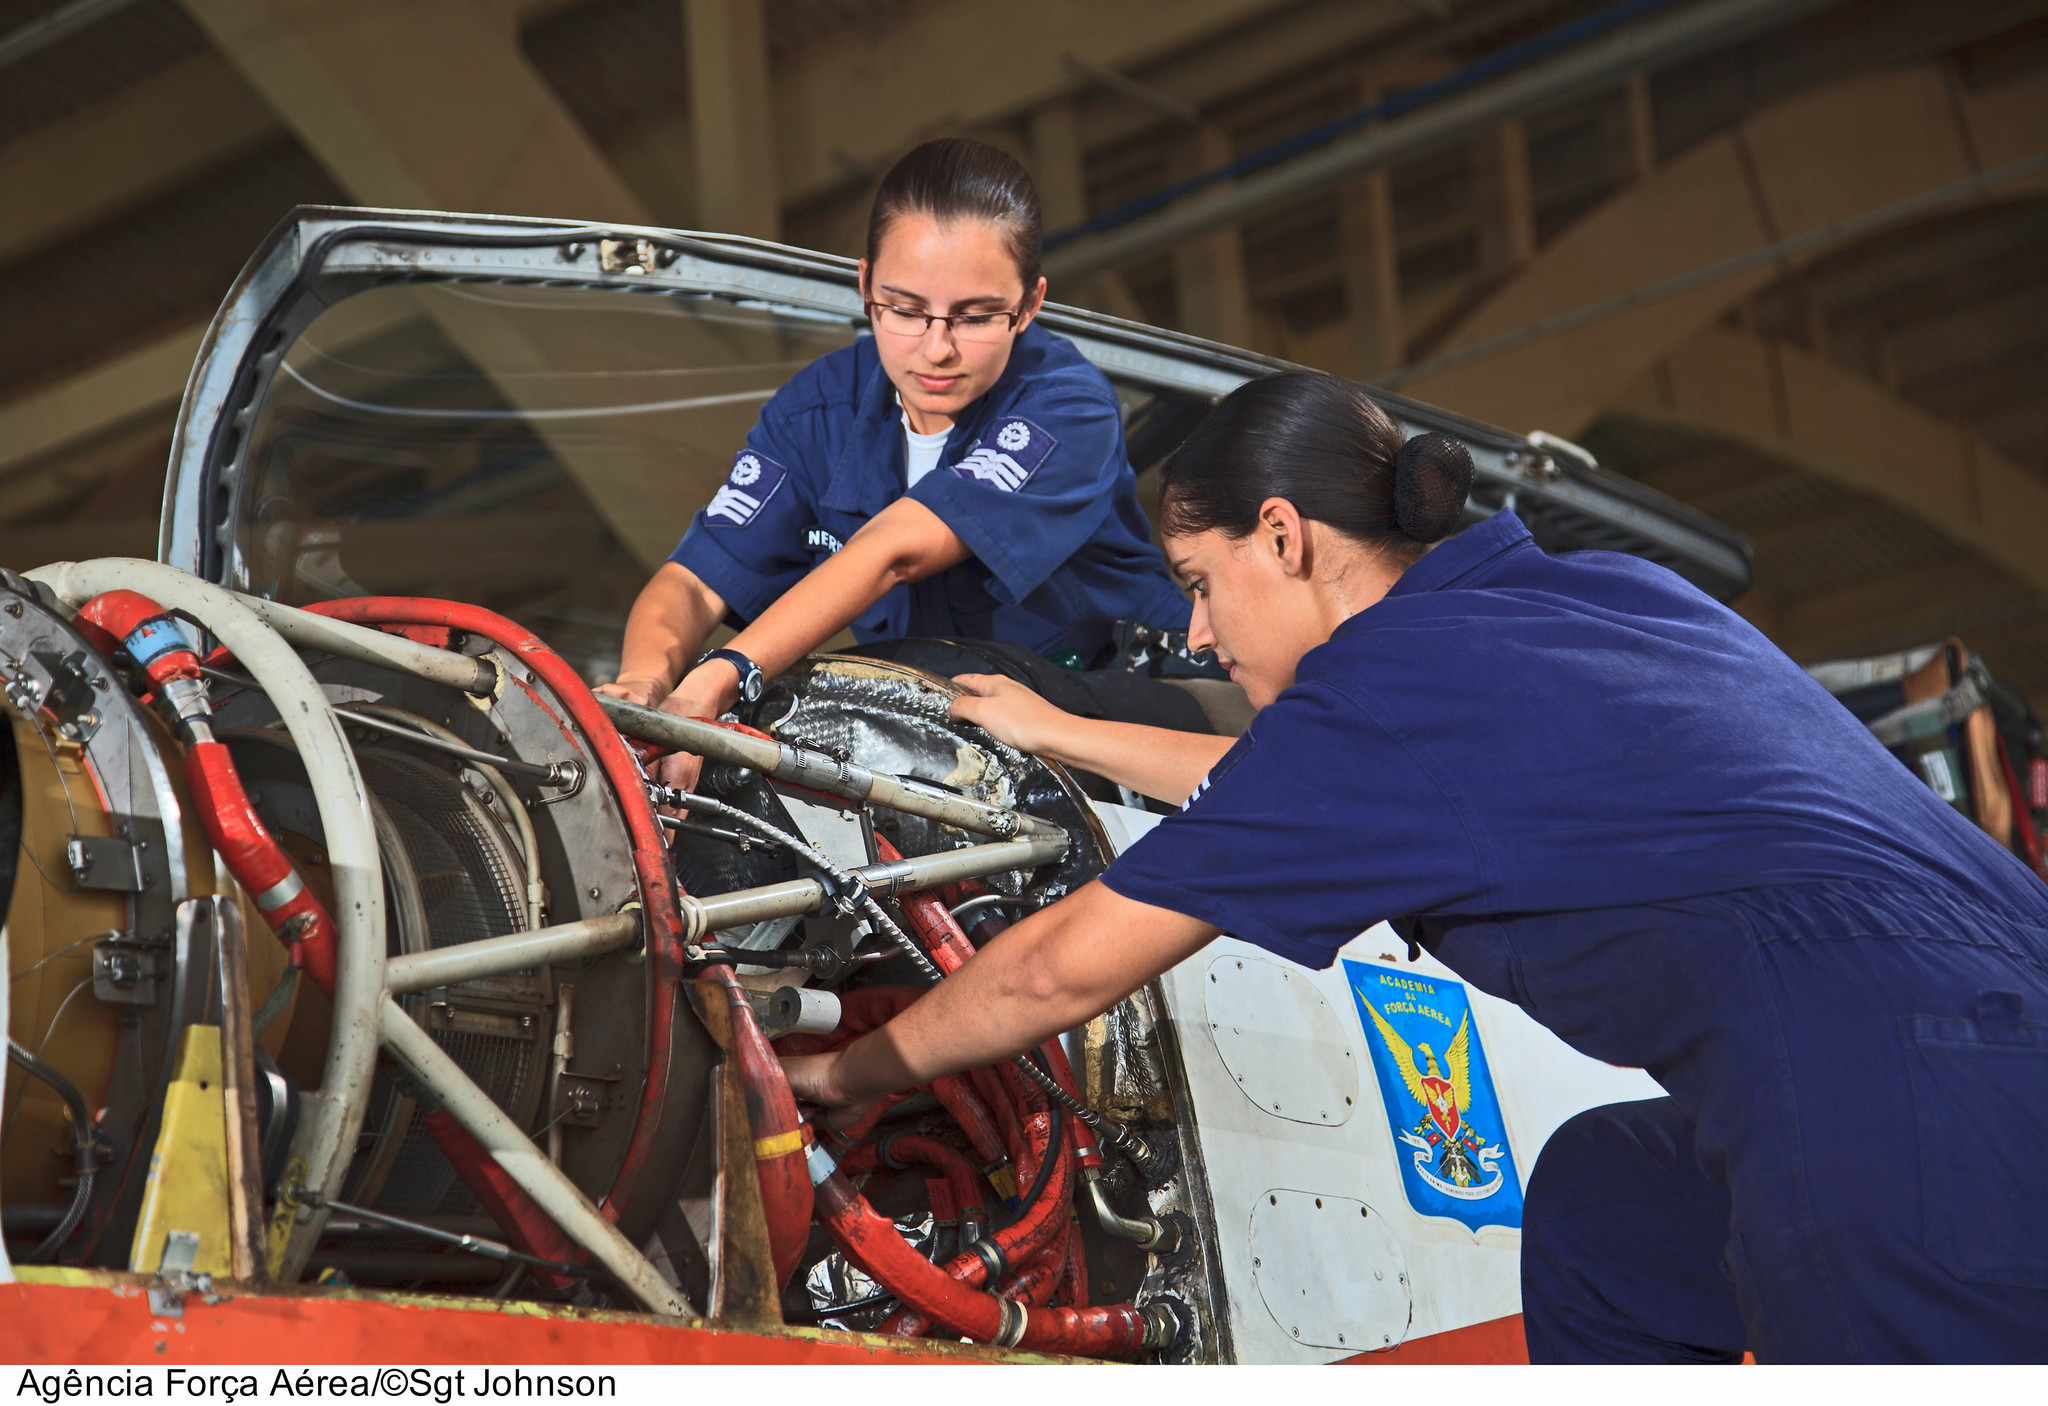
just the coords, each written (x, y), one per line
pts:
(921, 451)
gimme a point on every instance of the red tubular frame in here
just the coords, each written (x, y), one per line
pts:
(650, 855)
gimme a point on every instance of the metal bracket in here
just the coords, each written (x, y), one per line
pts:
(109, 862)
(125, 972)
(580, 1100)
(175, 1279)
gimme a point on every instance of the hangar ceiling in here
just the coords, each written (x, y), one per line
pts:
(1872, 409)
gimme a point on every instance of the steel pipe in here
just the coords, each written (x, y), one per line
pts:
(519, 951)
(525, 1163)
(1652, 43)
(801, 766)
(795, 897)
(367, 646)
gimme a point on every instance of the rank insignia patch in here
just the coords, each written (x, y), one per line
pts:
(1008, 454)
(753, 481)
(1446, 1120)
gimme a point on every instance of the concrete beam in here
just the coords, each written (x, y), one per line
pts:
(1823, 157)
(426, 105)
(853, 104)
(144, 140)
(1791, 405)
(732, 119)
(147, 380)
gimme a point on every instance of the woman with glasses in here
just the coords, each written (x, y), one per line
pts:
(960, 474)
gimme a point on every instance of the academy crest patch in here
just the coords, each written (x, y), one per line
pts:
(1008, 454)
(1445, 1116)
(754, 479)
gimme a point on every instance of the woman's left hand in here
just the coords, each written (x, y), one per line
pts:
(1011, 712)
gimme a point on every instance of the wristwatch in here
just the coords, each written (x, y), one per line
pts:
(751, 681)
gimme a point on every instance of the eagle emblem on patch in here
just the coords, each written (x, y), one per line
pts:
(1441, 1107)
(1008, 455)
(753, 481)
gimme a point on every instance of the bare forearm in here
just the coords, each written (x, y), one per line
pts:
(1153, 761)
(1050, 973)
(673, 616)
(835, 593)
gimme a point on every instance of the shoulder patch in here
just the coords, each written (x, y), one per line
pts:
(754, 479)
(1008, 454)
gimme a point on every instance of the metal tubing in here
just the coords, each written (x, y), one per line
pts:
(326, 1138)
(519, 951)
(1652, 43)
(1146, 1233)
(549, 773)
(525, 1163)
(724, 911)
(368, 646)
(802, 767)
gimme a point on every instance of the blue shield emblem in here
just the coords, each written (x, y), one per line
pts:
(1445, 1117)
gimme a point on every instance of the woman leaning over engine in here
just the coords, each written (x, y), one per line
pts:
(1591, 790)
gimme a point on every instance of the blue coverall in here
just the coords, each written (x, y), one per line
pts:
(1033, 479)
(1593, 791)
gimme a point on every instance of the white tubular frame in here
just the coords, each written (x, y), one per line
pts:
(261, 635)
(326, 1139)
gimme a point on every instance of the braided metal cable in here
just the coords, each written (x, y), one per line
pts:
(1115, 1134)
(847, 882)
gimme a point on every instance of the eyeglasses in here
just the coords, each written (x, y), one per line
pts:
(965, 327)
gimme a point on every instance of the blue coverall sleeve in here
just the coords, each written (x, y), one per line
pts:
(747, 543)
(1316, 825)
(1032, 490)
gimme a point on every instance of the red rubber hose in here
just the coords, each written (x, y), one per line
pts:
(778, 1135)
(259, 865)
(873, 1243)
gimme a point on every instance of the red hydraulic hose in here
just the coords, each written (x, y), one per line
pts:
(1074, 1284)
(650, 855)
(873, 1243)
(259, 865)
(778, 1135)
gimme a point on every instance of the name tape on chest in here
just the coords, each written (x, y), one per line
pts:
(753, 481)
(1008, 454)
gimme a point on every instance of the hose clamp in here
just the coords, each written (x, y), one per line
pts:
(1015, 1319)
(281, 892)
(992, 1257)
(820, 1163)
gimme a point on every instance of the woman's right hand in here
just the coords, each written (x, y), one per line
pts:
(1012, 713)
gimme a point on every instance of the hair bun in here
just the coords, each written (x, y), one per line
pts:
(1432, 475)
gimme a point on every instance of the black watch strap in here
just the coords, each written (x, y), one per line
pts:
(751, 679)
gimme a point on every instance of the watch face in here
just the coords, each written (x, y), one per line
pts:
(750, 685)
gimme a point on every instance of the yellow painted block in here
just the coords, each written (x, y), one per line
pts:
(188, 1172)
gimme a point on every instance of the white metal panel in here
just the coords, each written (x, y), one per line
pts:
(1329, 1271)
(1275, 1034)
(1456, 1276)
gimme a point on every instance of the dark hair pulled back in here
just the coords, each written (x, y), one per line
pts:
(1320, 443)
(958, 178)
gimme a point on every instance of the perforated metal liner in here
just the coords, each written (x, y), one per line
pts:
(470, 889)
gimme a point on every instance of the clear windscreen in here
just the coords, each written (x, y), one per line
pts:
(535, 450)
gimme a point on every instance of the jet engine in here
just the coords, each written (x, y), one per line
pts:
(353, 944)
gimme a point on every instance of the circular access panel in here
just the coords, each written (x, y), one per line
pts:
(1330, 1271)
(1281, 1041)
